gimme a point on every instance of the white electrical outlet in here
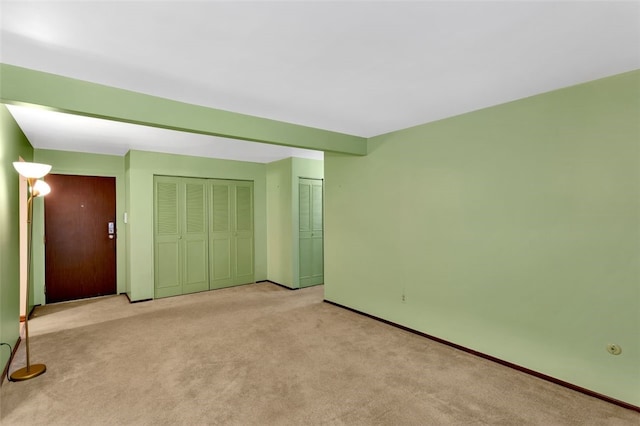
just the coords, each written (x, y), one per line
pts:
(614, 349)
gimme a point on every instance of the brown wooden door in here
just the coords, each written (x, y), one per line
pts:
(80, 256)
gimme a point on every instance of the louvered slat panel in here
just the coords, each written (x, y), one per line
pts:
(311, 235)
(195, 208)
(243, 208)
(316, 213)
(167, 199)
(220, 208)
(305, 208)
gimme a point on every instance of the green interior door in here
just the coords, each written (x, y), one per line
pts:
(311, 232)
(203, 234)
(181, 236)
(194, 237)
(231, 238)
(167, 248)
(220, 235)
(243, 233)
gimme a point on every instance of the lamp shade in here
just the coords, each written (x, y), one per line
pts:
(31, 170)
(41, 188)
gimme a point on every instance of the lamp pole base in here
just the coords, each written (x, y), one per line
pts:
(27, 373)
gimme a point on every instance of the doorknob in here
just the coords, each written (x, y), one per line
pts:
(111, 229)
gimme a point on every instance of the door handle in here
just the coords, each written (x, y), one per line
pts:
(111, 229)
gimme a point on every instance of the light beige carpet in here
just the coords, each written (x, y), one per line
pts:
(264, 355)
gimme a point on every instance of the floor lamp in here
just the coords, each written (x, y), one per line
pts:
(37, 188)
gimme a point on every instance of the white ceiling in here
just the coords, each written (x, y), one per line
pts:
(357, 67)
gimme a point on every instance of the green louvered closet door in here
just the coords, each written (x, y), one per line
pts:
(311, 250)
(231, 251)
(181, 236)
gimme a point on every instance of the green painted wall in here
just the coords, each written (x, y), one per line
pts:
(279, 222)
(282, 216)
(513, 230)
(127, 242)
(142, 166)
(29, 87)
(77, 163)
(13, 144)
